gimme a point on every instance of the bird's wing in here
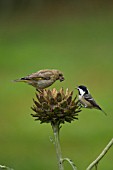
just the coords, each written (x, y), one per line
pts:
(90, 99)
(42, 74)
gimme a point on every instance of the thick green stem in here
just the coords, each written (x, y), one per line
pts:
(56, 129)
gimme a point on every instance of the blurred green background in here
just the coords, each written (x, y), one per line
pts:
(76, 38)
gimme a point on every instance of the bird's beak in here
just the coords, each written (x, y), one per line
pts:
(61, 79)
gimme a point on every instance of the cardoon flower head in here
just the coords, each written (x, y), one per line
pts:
(55, 107)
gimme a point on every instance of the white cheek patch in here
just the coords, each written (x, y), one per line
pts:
(81, 92)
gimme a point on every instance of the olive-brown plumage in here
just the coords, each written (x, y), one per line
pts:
(43, 78)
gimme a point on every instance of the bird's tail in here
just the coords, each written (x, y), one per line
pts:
(23, 79)
(104, 112)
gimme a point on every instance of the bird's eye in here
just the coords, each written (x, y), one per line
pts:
(60, 74)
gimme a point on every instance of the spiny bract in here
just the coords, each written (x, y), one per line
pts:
(54, 106)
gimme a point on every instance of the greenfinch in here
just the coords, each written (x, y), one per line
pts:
(43, 78)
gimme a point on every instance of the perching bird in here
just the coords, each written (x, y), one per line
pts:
(86, 99)
(43, 78)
